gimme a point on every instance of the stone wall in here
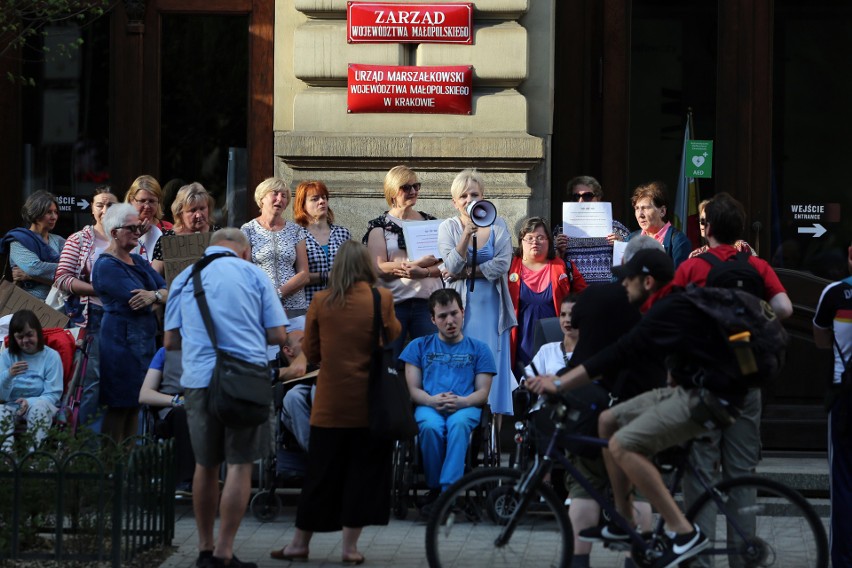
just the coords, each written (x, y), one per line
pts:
(507, 136)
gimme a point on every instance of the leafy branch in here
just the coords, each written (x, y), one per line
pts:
(22, 20)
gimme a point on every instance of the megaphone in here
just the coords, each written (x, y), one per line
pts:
(482, 213)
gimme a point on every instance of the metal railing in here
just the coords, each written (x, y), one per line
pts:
(87, 506)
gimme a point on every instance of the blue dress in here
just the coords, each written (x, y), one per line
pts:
(481, 317)
(531, 308)
(127, 337)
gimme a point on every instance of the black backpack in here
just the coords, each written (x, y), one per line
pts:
(736, 272)
(756, 337)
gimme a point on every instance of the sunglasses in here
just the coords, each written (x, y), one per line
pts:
(702, 221)
(136, 229)
(410, 186)
(582, 196)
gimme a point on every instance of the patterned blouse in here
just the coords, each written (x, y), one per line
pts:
(320, 258)
(593, 256)
(275, 253)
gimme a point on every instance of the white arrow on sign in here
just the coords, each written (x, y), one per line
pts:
(83, 204)
(817, 230)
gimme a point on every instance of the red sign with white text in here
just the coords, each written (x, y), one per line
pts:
(385, 22)
(391, 88)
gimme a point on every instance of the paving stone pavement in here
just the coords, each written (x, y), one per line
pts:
(400, 543)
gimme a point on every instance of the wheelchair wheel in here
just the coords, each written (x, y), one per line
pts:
(760, 522)
(399, 482)
(491, 443)
(471, 515)
(265, 506)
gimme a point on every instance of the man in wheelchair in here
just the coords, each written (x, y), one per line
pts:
(449, 377)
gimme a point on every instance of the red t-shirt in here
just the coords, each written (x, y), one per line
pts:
(696, 270)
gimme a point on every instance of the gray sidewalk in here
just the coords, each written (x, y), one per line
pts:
(401, 543)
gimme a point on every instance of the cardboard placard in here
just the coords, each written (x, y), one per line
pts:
(13, 299)
(179, 251)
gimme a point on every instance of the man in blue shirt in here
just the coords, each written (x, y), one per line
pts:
(449, 377)
(247, 316)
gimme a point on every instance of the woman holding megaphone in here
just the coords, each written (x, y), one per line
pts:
(477, 249)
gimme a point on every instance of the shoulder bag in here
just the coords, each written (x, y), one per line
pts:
(391, 415)
(240, 393)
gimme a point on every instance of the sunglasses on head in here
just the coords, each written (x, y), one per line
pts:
(410, 186)
(584, 195)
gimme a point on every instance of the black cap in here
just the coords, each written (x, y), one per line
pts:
(652, 262)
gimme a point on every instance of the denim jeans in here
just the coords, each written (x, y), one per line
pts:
(416, 322)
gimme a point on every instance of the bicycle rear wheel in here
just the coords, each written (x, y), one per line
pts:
(765, 523)
(468, 518)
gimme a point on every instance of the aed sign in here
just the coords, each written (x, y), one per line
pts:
(386, 22)
(699, 159)
(409, 89)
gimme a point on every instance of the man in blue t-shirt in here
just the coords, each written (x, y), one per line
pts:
(449, 377)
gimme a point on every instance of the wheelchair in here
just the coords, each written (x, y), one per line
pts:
(284, 468)
(408, 478)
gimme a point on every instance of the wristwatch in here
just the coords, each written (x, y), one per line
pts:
(157, 297)
(558, 384)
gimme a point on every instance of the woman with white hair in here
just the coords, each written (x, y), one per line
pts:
(129, 289)
(489, 315)
(278, 247)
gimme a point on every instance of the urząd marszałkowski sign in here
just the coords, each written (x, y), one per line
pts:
(386, 22)
(442, 89)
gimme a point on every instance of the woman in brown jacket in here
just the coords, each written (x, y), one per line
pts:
(348, 479)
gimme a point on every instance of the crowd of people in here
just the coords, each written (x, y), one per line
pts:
(461, 321)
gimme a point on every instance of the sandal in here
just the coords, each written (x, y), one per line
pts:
(284, 555)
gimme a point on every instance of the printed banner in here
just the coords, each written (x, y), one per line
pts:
(428, 90)
(385, 22)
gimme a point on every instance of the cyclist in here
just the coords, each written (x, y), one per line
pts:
(676, 331)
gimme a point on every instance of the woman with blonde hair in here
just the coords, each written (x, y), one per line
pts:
(323, 238)
(146, 195)
(489, 315)
(412, 280)
(278, 247)
(191, 209)
(347, 484)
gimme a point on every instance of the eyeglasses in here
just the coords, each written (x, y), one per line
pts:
(585, 195)
(537, 239)
(136, 229)
(410, 186)
(702, 221)
(146, 201)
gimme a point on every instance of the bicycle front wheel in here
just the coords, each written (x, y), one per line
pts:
(752, 521)
(469, 517)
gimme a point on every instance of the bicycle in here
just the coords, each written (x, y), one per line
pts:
(506, 517)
